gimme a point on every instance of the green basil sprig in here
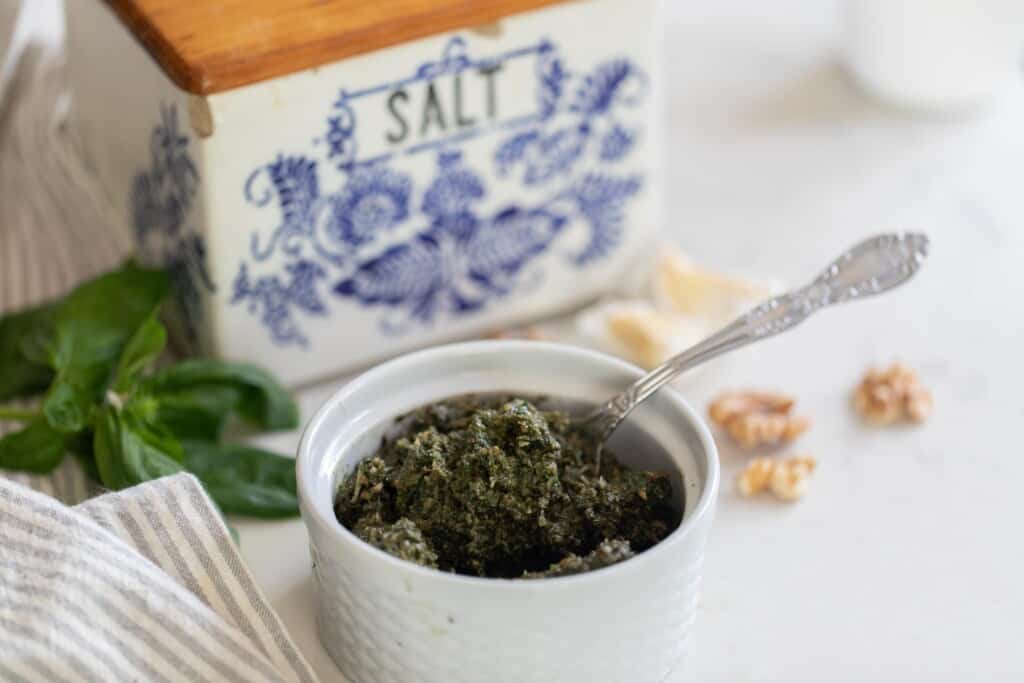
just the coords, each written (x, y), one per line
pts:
(91, 329)
(92, 356)
(24, 371)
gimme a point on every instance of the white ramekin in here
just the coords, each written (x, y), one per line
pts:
(383, 619)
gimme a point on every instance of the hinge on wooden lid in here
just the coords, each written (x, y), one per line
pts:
(493, 29)
(200, 117)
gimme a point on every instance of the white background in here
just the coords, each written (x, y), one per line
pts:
(904, 561)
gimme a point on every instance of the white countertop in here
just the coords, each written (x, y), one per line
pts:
(904, 561)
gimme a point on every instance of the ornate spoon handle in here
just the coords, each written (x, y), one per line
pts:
(871, 267)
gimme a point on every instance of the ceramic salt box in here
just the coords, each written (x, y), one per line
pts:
(331, 183)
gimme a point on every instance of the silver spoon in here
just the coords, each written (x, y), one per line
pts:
(871, 267)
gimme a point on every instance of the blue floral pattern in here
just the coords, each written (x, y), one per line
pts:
(542, 155)
(600, 200)
(460, 261)
(374, 200)
(341, 129)
(274, 298)
(552, 76)
(162, 196)
(316, 230)
(423, 255)
(616, 143)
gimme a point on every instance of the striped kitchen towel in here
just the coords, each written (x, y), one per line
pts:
(140, 585)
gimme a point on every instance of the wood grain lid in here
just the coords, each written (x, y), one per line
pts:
(208, 46)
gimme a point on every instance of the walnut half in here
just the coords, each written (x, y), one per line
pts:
(790, 477)
(887, 396)
(757, 418)
(787, 479)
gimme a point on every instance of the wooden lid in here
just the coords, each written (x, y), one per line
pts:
(207, 46)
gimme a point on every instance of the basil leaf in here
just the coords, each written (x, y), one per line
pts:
(144, 347)
(197, 412)
(106, 448)
(146, 455)
(37, 447)
(80, 445)
(67, 406)
(92, 326)
(37, 343)
(261, 400)
(153, 434)
(244, 480)
(22, 373)
(129, 451)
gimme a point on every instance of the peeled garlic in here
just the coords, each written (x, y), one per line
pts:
(684, 287)
(638, 331)
(681, 304)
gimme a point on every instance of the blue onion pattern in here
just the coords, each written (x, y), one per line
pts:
(600, 200)
(297, 186)
(453, 191)
(551, 76)
(461, 261)
(162, 198)
(374, 199)
(615, 80)
(446, 249)
(616, 143)
(340, 137)
(275, 299)
(542, 155)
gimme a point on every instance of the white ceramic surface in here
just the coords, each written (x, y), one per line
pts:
(424, 192)
(945, 56)
(386, 620)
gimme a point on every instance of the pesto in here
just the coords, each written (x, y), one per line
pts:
(494, 486)
(606, 553)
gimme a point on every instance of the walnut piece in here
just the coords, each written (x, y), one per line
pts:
(757, 418)
(756, 476)
(790, 477)
(787, 479)
(887, 396)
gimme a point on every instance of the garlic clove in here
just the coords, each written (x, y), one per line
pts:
(638, 331)
(682, 286)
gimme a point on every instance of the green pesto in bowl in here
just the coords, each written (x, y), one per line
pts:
(497, 486)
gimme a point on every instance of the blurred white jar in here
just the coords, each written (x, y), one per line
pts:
(936, 55)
